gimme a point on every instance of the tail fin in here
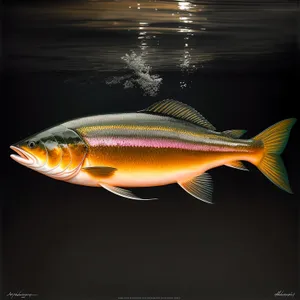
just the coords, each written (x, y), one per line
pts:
(271, 165)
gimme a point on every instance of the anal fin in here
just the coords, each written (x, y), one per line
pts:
(123, 192)
(237, 165)
(200, 187)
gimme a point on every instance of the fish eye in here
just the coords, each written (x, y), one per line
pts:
(31, 144)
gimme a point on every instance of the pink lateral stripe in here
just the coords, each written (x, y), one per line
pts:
(158, 143)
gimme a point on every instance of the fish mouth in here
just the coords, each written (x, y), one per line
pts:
(23, 157)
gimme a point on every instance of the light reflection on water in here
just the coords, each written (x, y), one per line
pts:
(169, 35)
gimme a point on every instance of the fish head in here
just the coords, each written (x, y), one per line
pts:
(30, 152)
(58, 152)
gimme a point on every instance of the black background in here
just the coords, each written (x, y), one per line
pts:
(62, 241)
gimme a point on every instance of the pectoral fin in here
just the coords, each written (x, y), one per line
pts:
(123, 193)
(200, 187)
(100, 171)
(237, 165)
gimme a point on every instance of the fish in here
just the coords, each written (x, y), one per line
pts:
(168, 142)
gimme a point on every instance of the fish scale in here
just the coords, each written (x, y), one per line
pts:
(168, 142)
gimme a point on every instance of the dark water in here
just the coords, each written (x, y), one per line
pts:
(63, 242)
(171, 35)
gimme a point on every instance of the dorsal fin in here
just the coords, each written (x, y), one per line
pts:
(178, 110)
(235, 133)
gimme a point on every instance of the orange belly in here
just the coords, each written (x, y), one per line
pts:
(142, 167)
